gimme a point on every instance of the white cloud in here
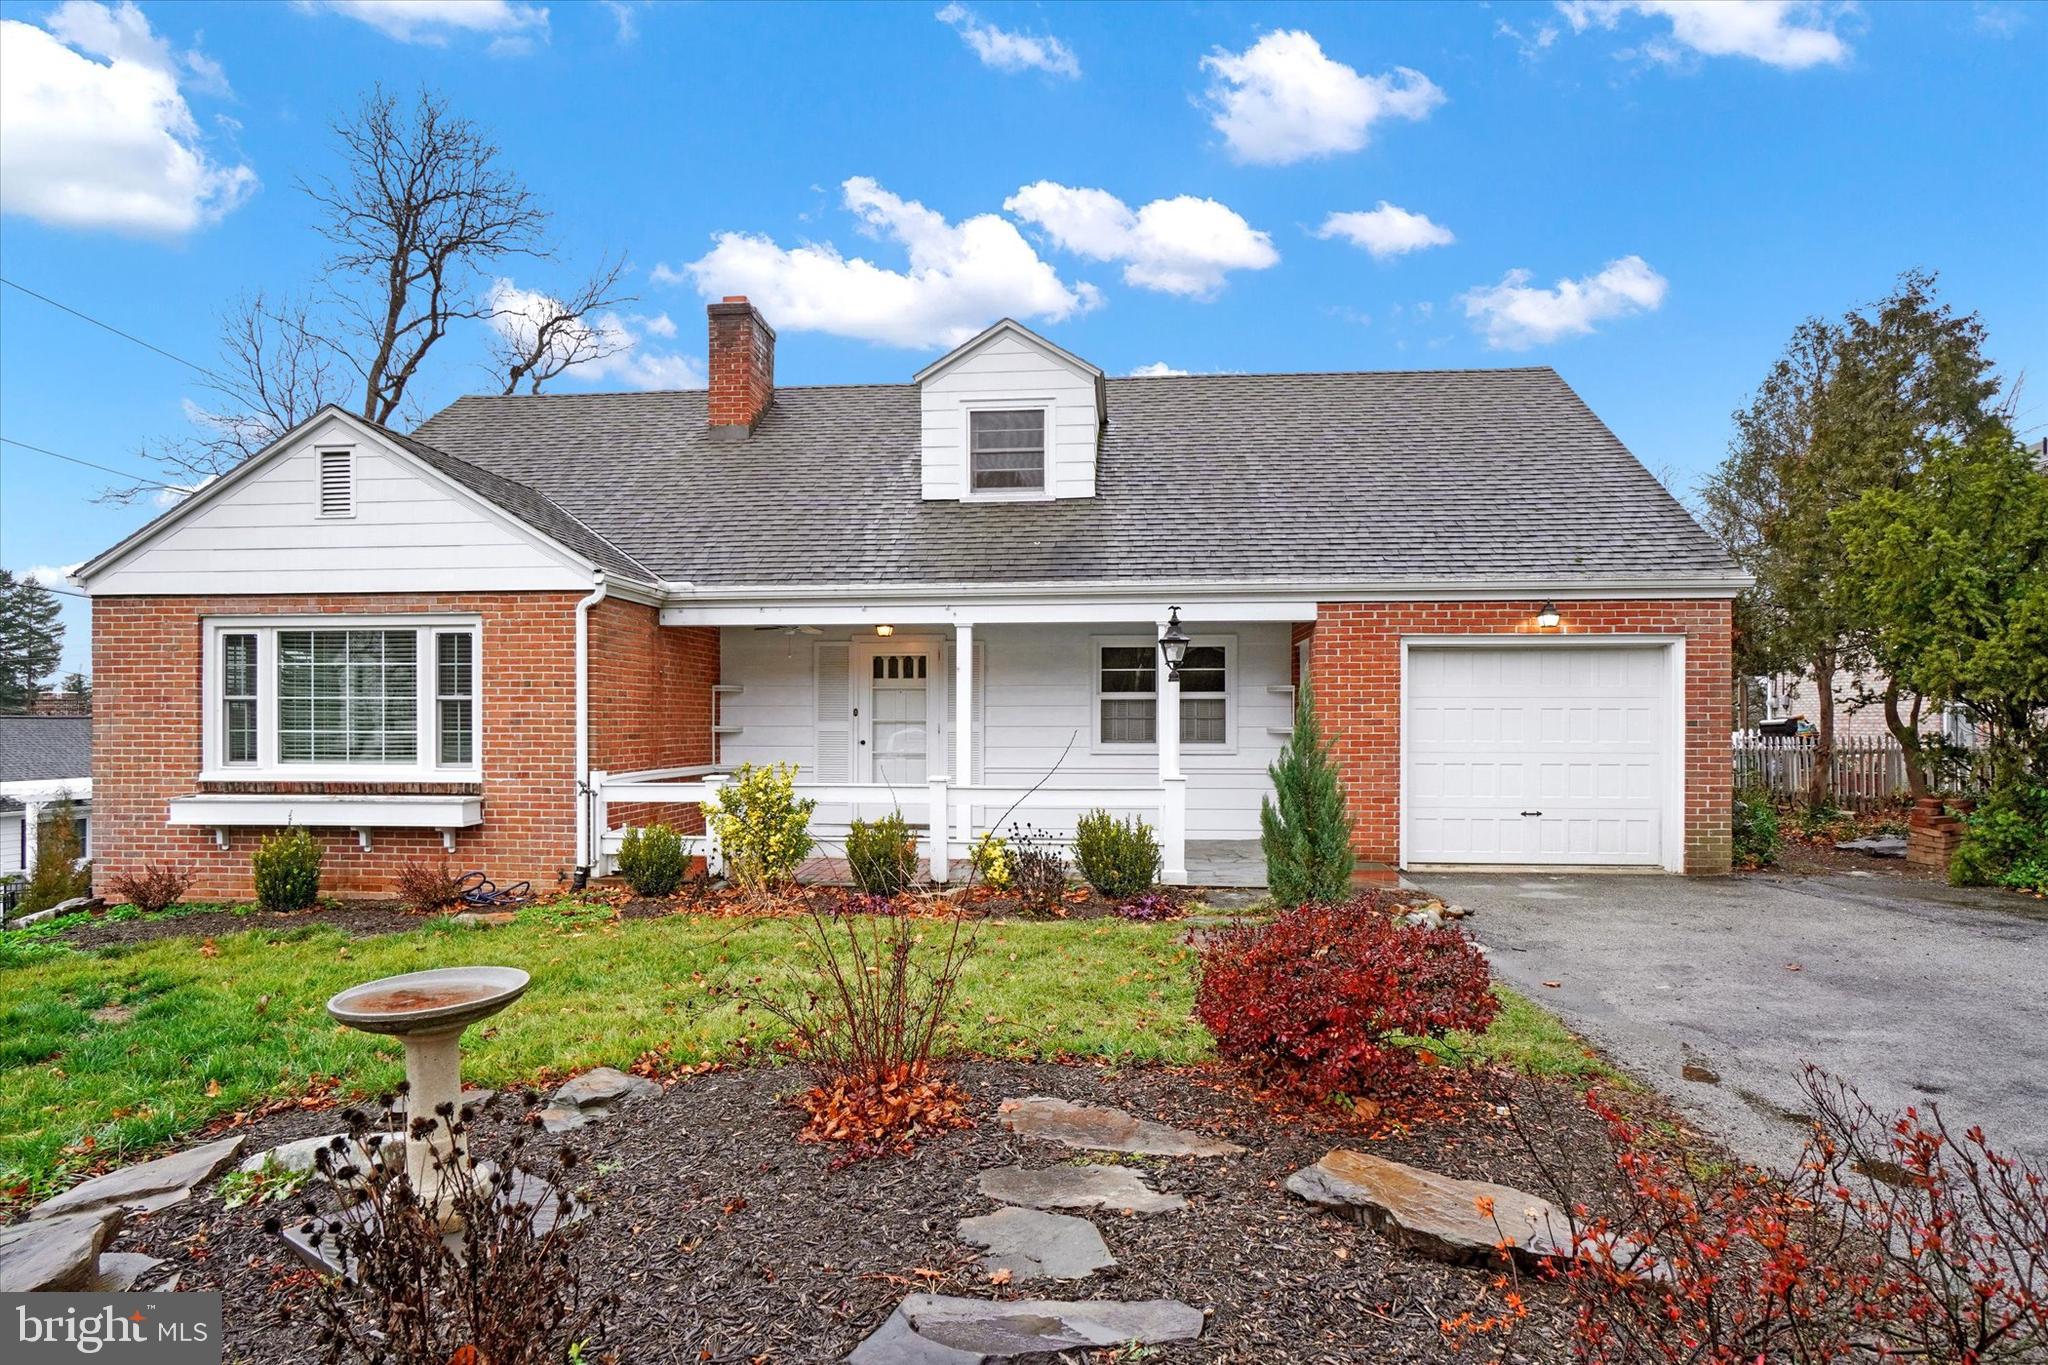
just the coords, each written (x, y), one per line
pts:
(1281, 100)
(619, 342)
(1182, 245)
(1007, 51)
(107, 143)
(1514, 316)
(1793, 34)
(960, 276)
(512, 25)
(1158, 369)
(625, 18)
(51, 575)
(1386, 231)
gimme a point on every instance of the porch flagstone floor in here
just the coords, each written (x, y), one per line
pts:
(1234, 863)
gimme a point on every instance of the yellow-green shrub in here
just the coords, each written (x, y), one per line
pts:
(762, 827)
(990, 858)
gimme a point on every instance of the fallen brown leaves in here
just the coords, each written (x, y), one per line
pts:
(889, 1115)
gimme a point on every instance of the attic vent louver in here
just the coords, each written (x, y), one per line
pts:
(337, 483)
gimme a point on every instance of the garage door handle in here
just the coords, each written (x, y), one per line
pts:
(1532, 812)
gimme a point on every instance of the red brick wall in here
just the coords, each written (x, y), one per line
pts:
(147, 699)
(1355, 656)
(650, 701)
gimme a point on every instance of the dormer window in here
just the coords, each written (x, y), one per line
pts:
(1008, 449)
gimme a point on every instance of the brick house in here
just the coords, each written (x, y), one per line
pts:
(538, 620)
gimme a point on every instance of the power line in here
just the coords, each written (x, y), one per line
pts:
(125, 336)
(103, 468)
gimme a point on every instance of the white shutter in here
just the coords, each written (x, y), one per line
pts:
(833, 718)
(337, 483)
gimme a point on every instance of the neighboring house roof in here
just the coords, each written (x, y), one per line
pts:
(1486, 475)
(45, 748)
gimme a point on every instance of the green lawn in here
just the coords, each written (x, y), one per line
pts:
(130, 1047)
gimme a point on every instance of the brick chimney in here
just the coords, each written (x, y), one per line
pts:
(742, 368)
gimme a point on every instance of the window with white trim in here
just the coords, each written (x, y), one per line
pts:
(1006, 449)
(367, 696)
(1127, 694)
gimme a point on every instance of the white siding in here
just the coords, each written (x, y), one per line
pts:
(409, 532)
(1004, 368)
(1038, 691)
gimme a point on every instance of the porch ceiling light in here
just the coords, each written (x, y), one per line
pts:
(1547, 617)
(885, 631)
(1173, 643)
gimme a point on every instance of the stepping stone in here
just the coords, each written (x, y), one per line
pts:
(1077, 1187)
(1434, 1214)
(602, 1088)
(1037, 1246)
(938, 1329)
(146, 1187)
(119, 1270)
(1098, 1128)
(60, 1253)
(300, 1155)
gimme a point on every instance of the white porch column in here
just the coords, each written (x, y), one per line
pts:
(714, 855)
(598, 814)
(31, 835)
(1173, 785)
(963, 728)
(935, 842)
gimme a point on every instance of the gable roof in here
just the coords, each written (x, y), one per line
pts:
(1427, 476)
(45, 748)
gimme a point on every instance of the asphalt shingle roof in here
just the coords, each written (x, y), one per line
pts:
(1477, 474)
(45, 748)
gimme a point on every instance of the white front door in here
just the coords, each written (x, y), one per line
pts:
(895, 713)
(1536, 754)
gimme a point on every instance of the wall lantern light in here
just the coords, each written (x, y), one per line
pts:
(885, 631)
(1547, 616)
(1173, 643)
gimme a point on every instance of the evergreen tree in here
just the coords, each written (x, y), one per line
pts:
(56, 877)
(31, 641)
(1304, 828)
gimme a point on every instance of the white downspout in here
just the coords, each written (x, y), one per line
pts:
(583, 607)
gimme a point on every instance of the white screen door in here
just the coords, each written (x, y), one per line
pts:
(896, 710)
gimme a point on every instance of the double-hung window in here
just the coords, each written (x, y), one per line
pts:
(1127, 678)
(365, 697)
(1006, 449)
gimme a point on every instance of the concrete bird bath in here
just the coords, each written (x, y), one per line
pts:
(427, 1011)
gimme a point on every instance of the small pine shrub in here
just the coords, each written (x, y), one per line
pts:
(1304, 827)
(58, 875)
(426, 887)
(990, 859)
(1332, 999)
(1756, 828)
(1119, 858)
(763, 829)
(2005, 841)
(155, 889)
(652, 861)
(882, 854)
(286, 870)
(1038, 872)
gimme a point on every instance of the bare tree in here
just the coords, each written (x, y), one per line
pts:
(275, 371)
(538, 336)
(424, 208)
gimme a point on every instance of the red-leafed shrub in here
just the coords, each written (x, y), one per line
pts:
(1329, 999)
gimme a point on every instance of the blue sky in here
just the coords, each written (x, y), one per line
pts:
(1647, 196)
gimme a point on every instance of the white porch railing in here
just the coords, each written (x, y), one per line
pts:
(951, 826)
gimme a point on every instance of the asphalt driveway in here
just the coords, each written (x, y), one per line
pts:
(1716, 990)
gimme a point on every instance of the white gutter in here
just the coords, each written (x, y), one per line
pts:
(583, 606)
(1574, 587)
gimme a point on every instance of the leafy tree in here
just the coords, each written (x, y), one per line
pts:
(31, 640)
(1950, 578)
(1304, 827)
(57, 875)
(1851, 406)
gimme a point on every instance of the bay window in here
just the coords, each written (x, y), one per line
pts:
(365, 697)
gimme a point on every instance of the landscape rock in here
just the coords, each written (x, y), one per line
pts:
(563, 1119)
(1099, 1128)
(482, 919)
(1876, 845)
(60, 1253)
(602, 1088)
(938, 1329)
(1033, 1245)
(1434, 1214)
(119, 1270)
(148, 1186)
(1077, 1187)
(290, 1156)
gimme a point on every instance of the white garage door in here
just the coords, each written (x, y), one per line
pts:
(1537, 754)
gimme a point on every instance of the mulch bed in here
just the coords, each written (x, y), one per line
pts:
(730, 1241)
(1797, 858)
(357, 919)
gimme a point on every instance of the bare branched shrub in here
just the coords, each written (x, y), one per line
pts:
(426, 887)
(158, 887)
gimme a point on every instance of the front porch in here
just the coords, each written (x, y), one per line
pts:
(994, 726)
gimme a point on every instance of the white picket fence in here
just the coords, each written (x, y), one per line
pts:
(1868, 771)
